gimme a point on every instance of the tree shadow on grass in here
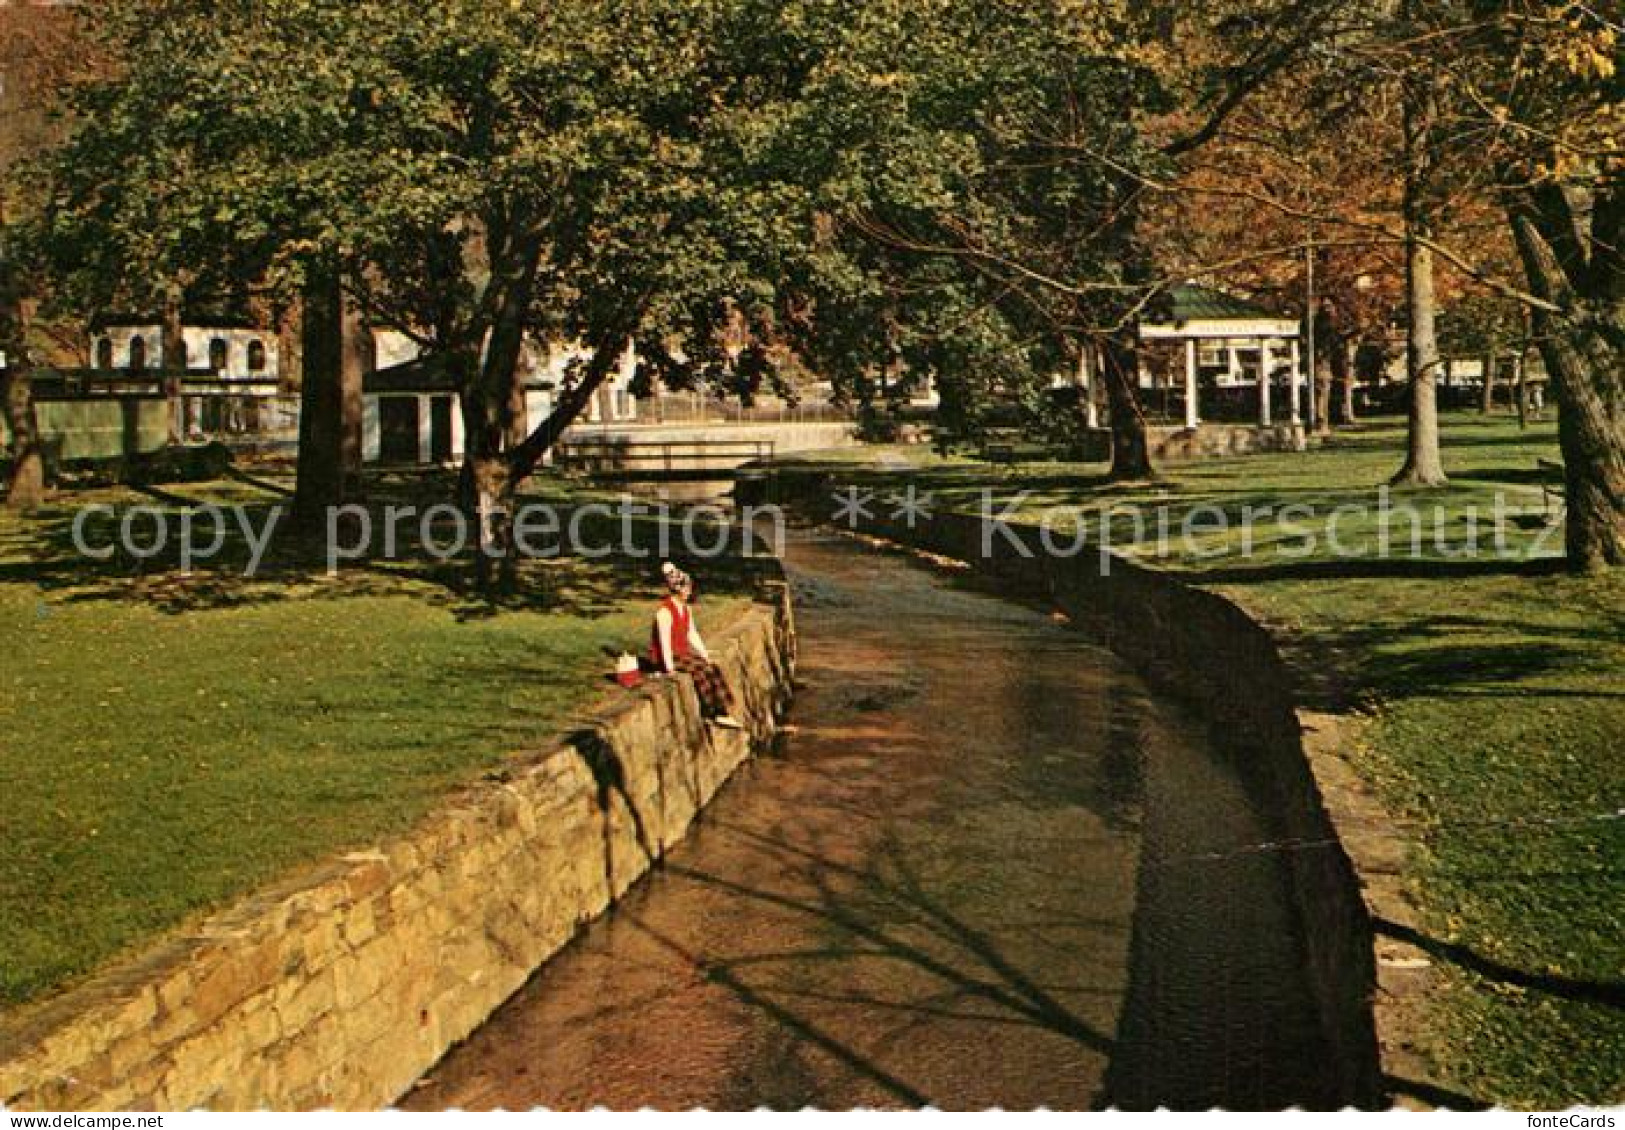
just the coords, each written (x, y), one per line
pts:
(49, 552)
(1394, 652)
(1529, 476)
(1372, 568)
(1487, 670)
(1455, 438)
(1433, 1094)
(1387, 433)
(260, 482)
(1608, 993)
(1420, 659)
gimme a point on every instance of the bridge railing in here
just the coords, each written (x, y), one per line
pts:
(678, 408)
(633, 457)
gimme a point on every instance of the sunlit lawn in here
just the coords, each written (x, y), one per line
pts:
(1494, 686)
(167, 743)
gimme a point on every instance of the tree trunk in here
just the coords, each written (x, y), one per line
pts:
(1423, 465)
(1487, 404)
(1583, 345)
(1131, 449)
(490, 393)
(1343, 377)
(25, 484)
(1327, 337)
(25, 487)
(1520, 364)
(360, 361)
(518, 414)
(1327, 341)
(320, 478)
(487, 487)
(1323, 397)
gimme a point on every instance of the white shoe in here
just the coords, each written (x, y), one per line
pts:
(728, 722)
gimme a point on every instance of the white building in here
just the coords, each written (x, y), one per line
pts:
(410, 412)
(231, 351)
(614, 403)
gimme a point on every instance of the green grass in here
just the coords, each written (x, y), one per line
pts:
(1493, 691)
(1497, 708)
(169, 742)
(1487, 460)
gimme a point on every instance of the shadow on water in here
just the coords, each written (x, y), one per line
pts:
(1219, 1011)
(891, 918)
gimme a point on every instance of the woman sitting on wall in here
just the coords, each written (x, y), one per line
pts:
(675, 645)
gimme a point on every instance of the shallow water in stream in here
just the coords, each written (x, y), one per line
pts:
(980, 871)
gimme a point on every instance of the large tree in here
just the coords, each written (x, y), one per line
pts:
(1546, 80)
(996, 169)
(465, 172)
(36, 45)
(1507, 104)
(602, 172)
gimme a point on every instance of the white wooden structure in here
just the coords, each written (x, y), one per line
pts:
(1236, 343)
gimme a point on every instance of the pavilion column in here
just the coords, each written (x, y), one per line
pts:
(1264, 381)
(1192, 417)
(1295, 378)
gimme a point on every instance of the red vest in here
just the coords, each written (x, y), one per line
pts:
(681, 617)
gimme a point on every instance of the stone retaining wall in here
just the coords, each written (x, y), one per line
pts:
(342, 986)
(1221, 441)
(1200, 647)
(1175, 443)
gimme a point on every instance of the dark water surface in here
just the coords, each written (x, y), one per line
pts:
(978, 873)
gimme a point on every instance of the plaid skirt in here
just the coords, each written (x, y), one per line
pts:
(715, 697)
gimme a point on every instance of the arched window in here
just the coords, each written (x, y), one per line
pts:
(104, 353)
(219, 354)
(138, 353)
(256, 356)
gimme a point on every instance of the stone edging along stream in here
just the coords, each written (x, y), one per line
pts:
(1206, 650)
(341, 986)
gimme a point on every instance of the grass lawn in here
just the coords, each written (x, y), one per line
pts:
(169, 742)
(1491, 695)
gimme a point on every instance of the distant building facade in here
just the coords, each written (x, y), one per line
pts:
(228, 350)
(410, 412)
